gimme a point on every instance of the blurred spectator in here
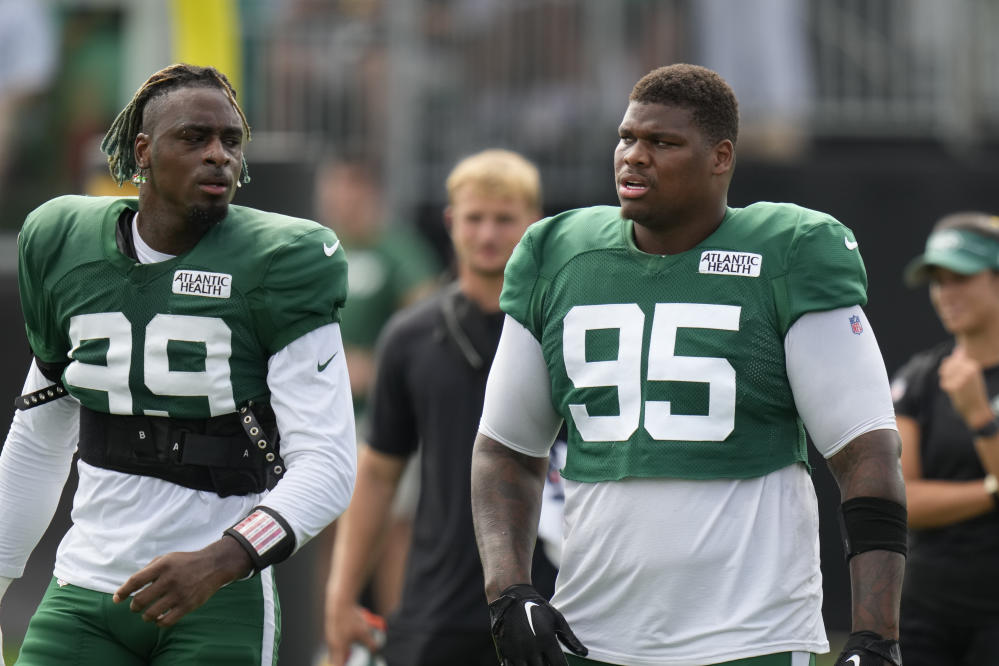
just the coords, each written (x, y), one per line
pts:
(333, 53)
(391, 266)
(946, 400)
(771, 75)
(525, 56)
(431, 376)
(27, 59)
(86, 95)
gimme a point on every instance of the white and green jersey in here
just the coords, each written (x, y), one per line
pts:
(250, 312)
(189, 337)
(673, 366)
(691, 523)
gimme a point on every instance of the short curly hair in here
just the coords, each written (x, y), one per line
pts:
(118, 143)
(707, 95)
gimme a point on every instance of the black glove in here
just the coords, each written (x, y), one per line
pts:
(526, 629)
(866, 648)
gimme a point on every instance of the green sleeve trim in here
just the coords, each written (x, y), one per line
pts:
(834, 276)
(298, 295)
(286, 336)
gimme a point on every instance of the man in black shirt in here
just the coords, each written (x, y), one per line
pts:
(432, 363)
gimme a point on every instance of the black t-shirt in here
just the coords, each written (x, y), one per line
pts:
(956, 567)
(433, 362)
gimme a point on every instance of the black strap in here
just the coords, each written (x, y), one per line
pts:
(258, 436)
(52, 372)
(988, 430)
(266, 536)
(204, 454)
(464, 343)
(40, 397)
(873, 523)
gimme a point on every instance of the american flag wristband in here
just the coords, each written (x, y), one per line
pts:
(265, 535)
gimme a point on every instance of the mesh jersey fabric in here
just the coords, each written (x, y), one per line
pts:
(673, 366)
(156, 338)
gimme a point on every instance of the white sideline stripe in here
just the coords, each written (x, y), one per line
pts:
(800, 659)
(268, 656)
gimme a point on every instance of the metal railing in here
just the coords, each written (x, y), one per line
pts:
(418, 83)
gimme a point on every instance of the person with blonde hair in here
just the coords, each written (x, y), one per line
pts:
(432, 363)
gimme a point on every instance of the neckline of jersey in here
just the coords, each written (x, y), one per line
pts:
(131, 268)
(628, 233)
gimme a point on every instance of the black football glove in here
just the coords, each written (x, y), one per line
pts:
(866, 648)
(526, 629)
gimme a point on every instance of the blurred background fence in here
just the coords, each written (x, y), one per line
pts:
(416, 84)
(420, 83)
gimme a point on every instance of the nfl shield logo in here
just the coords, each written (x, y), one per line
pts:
(855, 324)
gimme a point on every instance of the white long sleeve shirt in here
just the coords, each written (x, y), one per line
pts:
(122, 521)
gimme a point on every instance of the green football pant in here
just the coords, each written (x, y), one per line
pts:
(238, 626)
(782, 659)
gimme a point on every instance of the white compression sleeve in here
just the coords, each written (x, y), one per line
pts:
(518, 408)
(838, 377)
(310, 395)
(33, 470)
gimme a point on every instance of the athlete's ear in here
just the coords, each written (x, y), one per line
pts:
(142, 144)
(724, 157)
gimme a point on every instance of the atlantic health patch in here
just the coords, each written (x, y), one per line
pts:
(724, 262)
(202, 283)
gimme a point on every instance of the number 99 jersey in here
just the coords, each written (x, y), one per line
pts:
(189, 337)
(673, 366)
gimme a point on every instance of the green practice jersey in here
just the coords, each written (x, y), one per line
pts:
(673, 366)
(189, 337)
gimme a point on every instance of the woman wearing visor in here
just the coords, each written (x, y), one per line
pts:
(946, 400)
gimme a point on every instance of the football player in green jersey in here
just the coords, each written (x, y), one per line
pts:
(687, 345)
(189, 350)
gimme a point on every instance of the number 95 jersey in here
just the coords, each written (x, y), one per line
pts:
(673, 366)
(189, 337)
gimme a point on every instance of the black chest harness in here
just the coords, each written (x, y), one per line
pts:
(232, 454)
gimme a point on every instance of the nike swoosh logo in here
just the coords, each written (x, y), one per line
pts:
(330, 249)
(855, 659)
(527, 609)
(849, 246)
(322, 366)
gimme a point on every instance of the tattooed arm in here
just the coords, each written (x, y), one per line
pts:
(857, 434)
(506, 503)
(869, 467)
